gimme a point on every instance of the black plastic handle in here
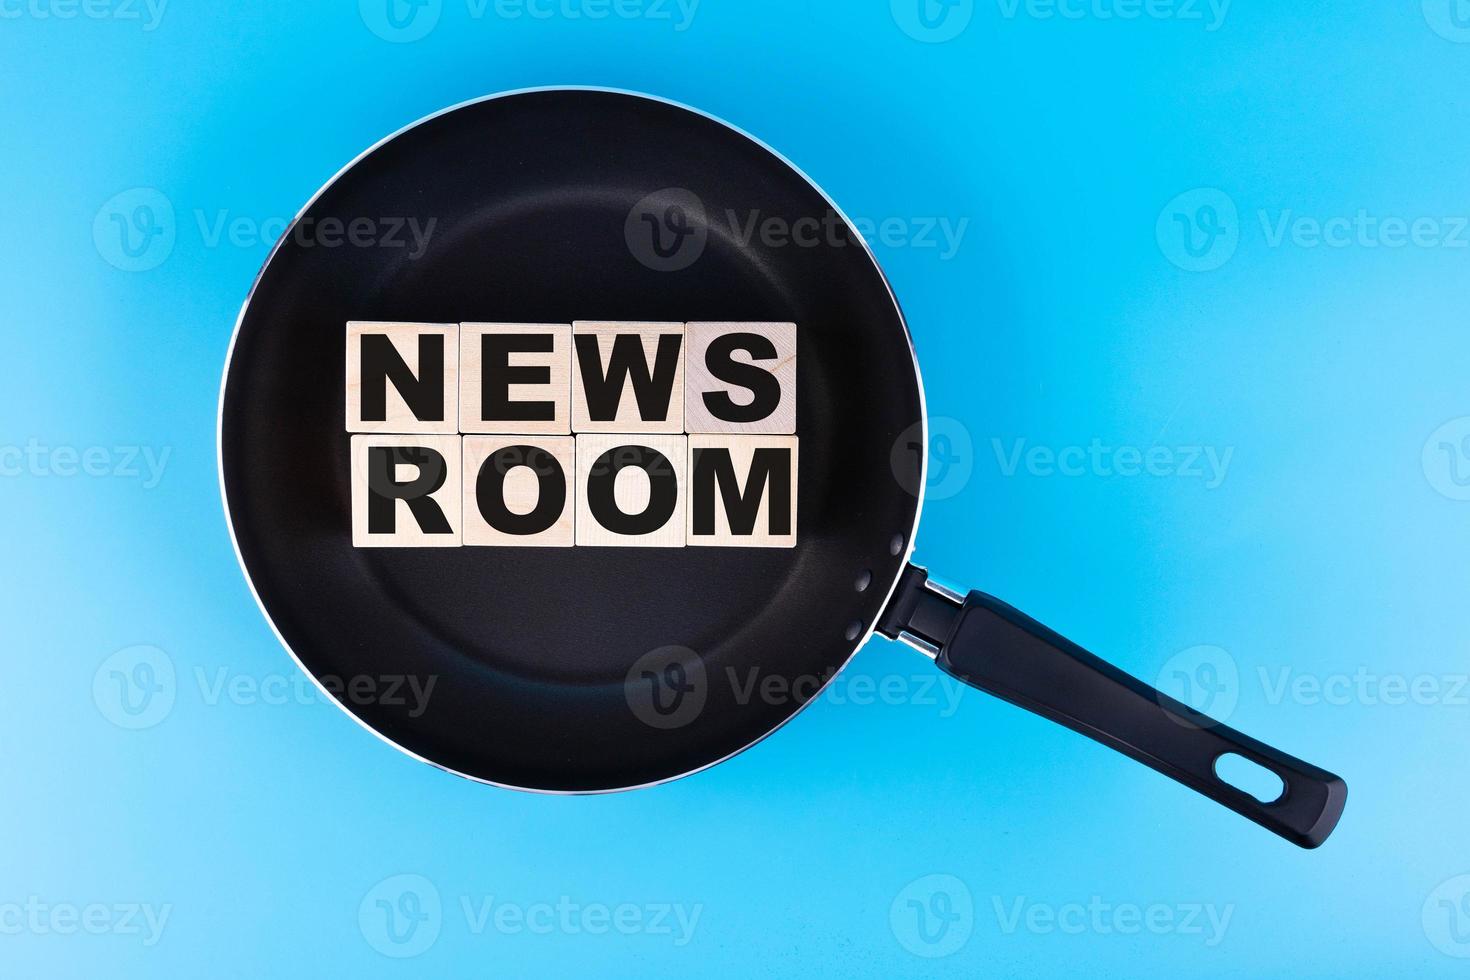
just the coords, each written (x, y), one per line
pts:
(998, 649)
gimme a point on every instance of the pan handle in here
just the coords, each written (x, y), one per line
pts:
(1000, 650)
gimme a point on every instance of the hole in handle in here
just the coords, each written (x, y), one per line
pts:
(1249, 777)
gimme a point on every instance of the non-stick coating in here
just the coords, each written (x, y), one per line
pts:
(529, 649)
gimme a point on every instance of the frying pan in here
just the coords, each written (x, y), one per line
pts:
(594, 669)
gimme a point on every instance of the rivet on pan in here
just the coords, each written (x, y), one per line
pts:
(895, 547)
(864, 579)
(854, 630)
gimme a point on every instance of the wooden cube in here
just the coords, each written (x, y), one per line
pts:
(406, 491)
(740, 377)
(742, 491)
(631, 489)
(402, 377)
(515, 377)
(519, 491)
(627, 377)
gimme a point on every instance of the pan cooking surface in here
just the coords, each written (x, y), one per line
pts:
(539, 656)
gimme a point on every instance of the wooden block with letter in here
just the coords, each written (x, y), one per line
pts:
(627, 377)
(515, 377)
(742, 491)
(740, 377)
(402, 377)
(519, 491)
(406, 491)
(631, 490)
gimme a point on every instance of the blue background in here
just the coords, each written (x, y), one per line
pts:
(1332, 548)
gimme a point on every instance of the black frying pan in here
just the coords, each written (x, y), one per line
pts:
(589, 669)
